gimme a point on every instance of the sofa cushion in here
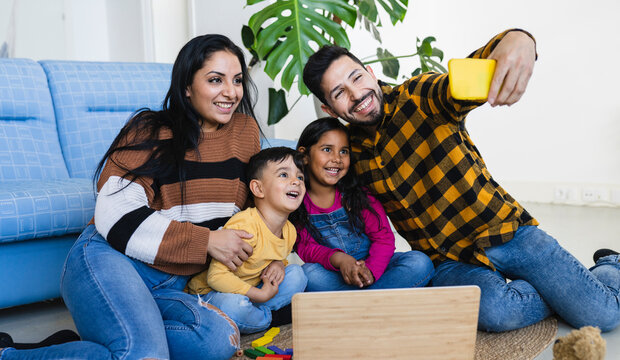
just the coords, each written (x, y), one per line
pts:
(93, 100)
(29, 147)
(38, 209)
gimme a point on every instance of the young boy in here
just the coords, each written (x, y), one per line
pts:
(263, 283)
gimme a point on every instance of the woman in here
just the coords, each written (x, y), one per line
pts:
(168, 181)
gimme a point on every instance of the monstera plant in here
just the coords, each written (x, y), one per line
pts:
(284, 33)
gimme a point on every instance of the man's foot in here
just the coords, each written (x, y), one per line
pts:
(602, 253)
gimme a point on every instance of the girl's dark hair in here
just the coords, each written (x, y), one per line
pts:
(142, 131)
(354, 196)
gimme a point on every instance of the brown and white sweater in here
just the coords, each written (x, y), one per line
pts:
(145, 219)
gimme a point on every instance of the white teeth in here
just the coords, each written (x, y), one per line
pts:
(364, 104)
(293, 193)
(224, 105)
(332, 170)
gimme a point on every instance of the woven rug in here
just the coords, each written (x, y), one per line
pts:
(521, 344)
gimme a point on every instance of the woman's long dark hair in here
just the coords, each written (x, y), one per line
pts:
(354, 196)
(177, 115)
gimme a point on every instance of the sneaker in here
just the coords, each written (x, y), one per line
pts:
(602, 253)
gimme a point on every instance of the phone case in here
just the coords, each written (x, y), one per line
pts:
(470, 79)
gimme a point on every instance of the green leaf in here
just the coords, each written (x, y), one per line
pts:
(435, 65)
(296, 23)
(390, 65)
(368, 8)
(437, 53)
(277, 106)
(416, 72)
(247, 36)
(396, 9)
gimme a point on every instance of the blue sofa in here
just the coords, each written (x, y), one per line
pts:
(57, 118)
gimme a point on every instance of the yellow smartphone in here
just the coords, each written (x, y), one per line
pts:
(470, 79)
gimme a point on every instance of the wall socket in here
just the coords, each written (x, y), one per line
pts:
(594, 194)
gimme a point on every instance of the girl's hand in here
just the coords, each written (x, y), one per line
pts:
(349, 269)
(365, 274)
(227, 246)
(274, 272)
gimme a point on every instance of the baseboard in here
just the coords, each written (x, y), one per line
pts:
(578, 194)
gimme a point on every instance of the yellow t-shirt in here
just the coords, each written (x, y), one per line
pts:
(267, 248)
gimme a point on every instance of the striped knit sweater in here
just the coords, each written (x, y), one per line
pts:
(145, 219)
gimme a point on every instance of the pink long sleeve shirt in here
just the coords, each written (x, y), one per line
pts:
(376, 228)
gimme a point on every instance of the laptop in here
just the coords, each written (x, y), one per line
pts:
(420, 323)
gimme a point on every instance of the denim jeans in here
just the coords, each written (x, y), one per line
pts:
(253, 317)
(406, 269)
(546, 279)
(124, 309)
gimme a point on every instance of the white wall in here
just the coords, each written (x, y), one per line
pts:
(563, 135)
(565, 132)
(566, 129)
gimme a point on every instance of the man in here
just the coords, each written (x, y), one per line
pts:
(412, 150)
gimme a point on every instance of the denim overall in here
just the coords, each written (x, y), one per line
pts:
(405, 269)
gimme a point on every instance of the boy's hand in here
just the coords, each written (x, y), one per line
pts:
(274, 272)
(227, 246)
(266, 292)
(269, 290)
(365, 274)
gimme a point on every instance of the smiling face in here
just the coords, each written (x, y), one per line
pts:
(328, 159)
(352, 92)
(281, 186)
(216, 89)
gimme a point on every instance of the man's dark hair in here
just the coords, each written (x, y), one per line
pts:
(317, 65)
(276, 154)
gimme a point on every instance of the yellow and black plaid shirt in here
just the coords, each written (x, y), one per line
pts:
(432, 181)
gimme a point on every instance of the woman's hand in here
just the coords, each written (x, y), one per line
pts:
(274, 272)
(228, 247)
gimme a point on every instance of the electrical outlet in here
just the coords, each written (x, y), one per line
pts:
(561, 194)
(594, 194)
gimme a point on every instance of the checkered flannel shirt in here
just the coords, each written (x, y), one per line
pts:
(425, 169)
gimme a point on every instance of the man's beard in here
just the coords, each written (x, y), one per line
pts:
(376, 116)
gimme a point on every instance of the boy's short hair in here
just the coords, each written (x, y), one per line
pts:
(276, 154)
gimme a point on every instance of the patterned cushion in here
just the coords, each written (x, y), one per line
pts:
(29, 147)
(38, 209)
(93, 100)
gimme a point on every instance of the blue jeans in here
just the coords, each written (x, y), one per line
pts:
(124, 309)
(405, 269)
(545, 279)
(253, 317)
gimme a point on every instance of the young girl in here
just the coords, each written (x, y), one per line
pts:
(344, 237)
